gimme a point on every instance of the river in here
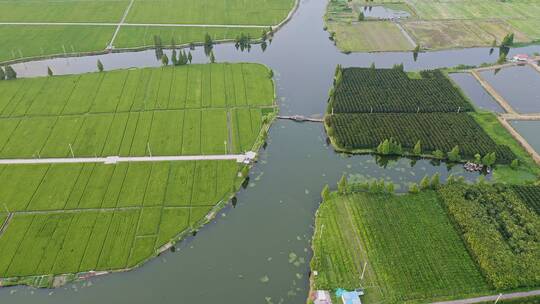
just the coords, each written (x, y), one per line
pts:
(242, 257)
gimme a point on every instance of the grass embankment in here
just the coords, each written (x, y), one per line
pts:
(431, 24)
(74, 218)
(26, 41)
(425, 115)
(454, 241)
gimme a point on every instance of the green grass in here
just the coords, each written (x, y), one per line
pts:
(412, 251)
(121, 118)
(437, 24)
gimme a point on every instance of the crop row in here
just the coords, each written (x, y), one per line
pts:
(500, 231)
(85, 186)
(367, 90)
(530, 195)
(435, 131)
(192, 86)
(167, 132)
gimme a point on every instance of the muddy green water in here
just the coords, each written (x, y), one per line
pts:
(242, 256)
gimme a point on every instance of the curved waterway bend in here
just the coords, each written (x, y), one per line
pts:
(243, 256)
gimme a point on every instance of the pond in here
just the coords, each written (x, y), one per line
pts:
(242, 257)
(518, 85)
(529, 129)
(476, 93)
(384, 12)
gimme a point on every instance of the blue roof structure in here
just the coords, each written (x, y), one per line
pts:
(349, 297)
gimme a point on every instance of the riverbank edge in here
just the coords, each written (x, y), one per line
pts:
(274, 29)
(56, 281)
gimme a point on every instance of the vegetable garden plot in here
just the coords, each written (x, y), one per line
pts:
(367, 90)
(441, 131)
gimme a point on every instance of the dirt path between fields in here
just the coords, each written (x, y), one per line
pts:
(138, 24)
(118, 159)
(6, 223)
(504, 104)
(513, 295)
(111, 45)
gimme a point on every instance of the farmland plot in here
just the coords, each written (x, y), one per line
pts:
(121, 118)
(79, 217)
(409, 246)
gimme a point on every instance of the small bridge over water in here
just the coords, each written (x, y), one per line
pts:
(300, 118)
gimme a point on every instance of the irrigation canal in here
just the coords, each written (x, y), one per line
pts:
(242, 257)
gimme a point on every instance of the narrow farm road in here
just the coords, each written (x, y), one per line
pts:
(118, 159)
(110, 46)
(137, 24)
(513, 295)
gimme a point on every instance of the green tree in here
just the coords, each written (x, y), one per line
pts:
(342, 184)
(208, 40)
(2, 74)
(424, 183)
(417, 150)
(49, 71)
(372, 66)
(174, 58)
(508, 40)
(413, 188)
(99, 66)
(514, 164)
(325, 194)
(390, 187)
(435, 181)
(270, 73)
(417, 48)
(438, 154)
(454, 155)
(489, 159)
(189, 57)
(361, 16)
(477, 158)
(10, 73)
(212, 57)
(164, 60)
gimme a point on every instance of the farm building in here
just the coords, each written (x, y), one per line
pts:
(350, 297)
(520, 58)
(322, 297)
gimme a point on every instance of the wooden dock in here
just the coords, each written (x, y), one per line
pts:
(300, 118)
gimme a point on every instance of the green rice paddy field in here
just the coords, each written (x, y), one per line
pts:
(435, 24)
(195, 109)
(27, 40)
(76, 218)
(70, 218)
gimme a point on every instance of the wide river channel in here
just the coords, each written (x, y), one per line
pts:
(245, 255)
